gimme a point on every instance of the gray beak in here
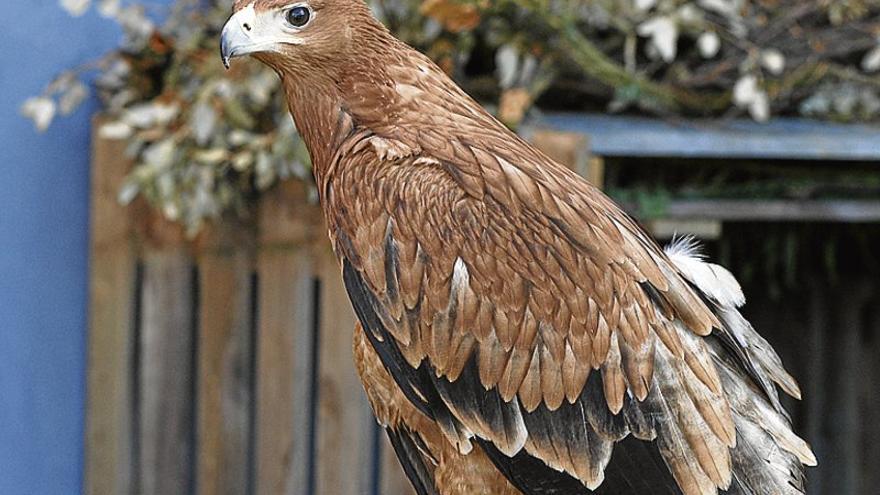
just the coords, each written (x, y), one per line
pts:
(233, 41)
(237, 38)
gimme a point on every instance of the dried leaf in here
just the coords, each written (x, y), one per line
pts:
(455, 17)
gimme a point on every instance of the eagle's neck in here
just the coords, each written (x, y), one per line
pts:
(324, 98)
(317, 111)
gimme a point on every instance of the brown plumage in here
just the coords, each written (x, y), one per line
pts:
(520, 332)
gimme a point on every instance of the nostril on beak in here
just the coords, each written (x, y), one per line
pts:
(246, 26)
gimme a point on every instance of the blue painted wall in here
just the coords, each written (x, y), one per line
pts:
(43, 252)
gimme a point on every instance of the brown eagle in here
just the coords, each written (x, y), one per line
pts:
(518, 332)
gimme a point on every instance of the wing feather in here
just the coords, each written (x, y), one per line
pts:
(495, 282)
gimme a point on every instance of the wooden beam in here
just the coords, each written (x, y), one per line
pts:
(109, 427)
(780, 139)
(666, 228)
(761, 210)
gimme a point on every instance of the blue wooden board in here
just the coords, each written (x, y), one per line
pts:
(783, 139)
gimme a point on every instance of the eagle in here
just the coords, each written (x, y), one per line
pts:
(517, 331)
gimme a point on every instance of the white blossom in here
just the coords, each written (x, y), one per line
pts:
(203, 121)
(727, 8)
(709, 44)
(109, 8)
(773, 60)
(160, 156)
(644, 5)
(73, 97)
(150, 114)
(129, 191)
(507, 61)
(76, 8)
(759, 108)
(871, 61)
(41, 110)
(749, 95)
(115, 130)
(664, 36)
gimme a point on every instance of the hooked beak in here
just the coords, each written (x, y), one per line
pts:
(239, 38)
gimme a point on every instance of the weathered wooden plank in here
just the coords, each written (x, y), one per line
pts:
(844, 211)
(109, 428)
(345, 423)
(842, 475)
(871, 411)
(665, 228)
(814, 377)
(166, 372)
(285, 343)
(393, 479)
(225, 377)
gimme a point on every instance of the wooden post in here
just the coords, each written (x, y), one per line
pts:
(109, 430)
(572, 150)
(345, 422)
(166, 372)
(285, 340)
(225, 378)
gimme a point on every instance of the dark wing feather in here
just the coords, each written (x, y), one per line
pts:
(417, 468)
(531, 475)
(415, 383)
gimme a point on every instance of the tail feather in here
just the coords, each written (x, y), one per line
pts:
(768, 456)
(721, 288)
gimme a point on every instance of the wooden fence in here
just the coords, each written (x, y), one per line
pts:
(224, 365)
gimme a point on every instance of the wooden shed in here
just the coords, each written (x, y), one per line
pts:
(223, 365)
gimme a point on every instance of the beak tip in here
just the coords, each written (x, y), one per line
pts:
(226, 50)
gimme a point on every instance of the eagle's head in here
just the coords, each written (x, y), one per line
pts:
(296, 36)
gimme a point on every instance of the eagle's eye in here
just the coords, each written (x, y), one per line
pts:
(298, 16)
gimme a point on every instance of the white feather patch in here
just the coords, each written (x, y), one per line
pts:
(714, 280)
